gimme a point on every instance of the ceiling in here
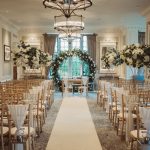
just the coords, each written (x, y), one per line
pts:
(31, 14)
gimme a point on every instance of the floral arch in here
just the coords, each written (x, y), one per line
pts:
(64, 55)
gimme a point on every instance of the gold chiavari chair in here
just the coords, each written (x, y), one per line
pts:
(99, 91)
(38, 115)
(123, 115)
(4, 128)
(140, 132)
(111, 97)
(115, 109)
(25, 135)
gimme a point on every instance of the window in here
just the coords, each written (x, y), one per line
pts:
(72, 67)
(64, 68)
(63, 45)
(85, 46)
(76, 68)
(76, 44)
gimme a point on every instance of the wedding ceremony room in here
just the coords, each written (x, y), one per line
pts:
(75, 75)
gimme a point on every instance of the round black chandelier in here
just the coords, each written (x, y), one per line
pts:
(67, 7)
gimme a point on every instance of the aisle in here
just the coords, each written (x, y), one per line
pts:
(74, 128)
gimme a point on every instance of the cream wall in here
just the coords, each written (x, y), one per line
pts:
(108, 38)
(8, 35)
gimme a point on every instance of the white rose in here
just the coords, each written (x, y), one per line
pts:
(49, 57)
(127, 51)
(122, 56)
(26, 60)
(146, 59)
(34, 58)
(28, 48)
(138, 51)
(26, 56)
(48, 64)
(24, 50)
(129, 61)
(135, 56)
(124, 47)
(111, 59)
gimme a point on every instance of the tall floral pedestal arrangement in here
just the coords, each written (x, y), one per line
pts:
(25, 56)
(134, 56)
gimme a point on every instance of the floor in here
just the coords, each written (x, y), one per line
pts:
(107, 135)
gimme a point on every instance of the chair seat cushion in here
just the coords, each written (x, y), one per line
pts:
(114, 108)
(5, 130)
(32, 131)
(112, 104)
(40, 106)
(142, 133)
(39, 113)
(120, 115)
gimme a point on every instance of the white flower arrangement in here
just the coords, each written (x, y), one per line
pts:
(30, 57)
(111, 58)
(134, 55)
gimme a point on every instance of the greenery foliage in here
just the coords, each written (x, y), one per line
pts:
(30, 57)
(133, 55)
(64, 55)
(112, 58)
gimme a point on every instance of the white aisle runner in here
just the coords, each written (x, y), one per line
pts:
(74, 128)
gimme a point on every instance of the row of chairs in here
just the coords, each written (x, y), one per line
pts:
(38, 103)
(120, 99)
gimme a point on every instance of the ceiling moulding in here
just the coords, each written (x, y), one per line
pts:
(37, 29)
(8, 24)
(136, 27)
(146, 12)
(109, 30)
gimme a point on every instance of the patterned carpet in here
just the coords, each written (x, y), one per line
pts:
(107, 135)
(41, 142)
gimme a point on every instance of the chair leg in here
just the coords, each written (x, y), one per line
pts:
(110, 112)
(2, 142)
(118, 125)
(103, 103)
(32, 143)
(40, 124)
(122, 127)
(45, 110)
(97, 98)
(44, 115)
(132, 144)
(115, 119)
